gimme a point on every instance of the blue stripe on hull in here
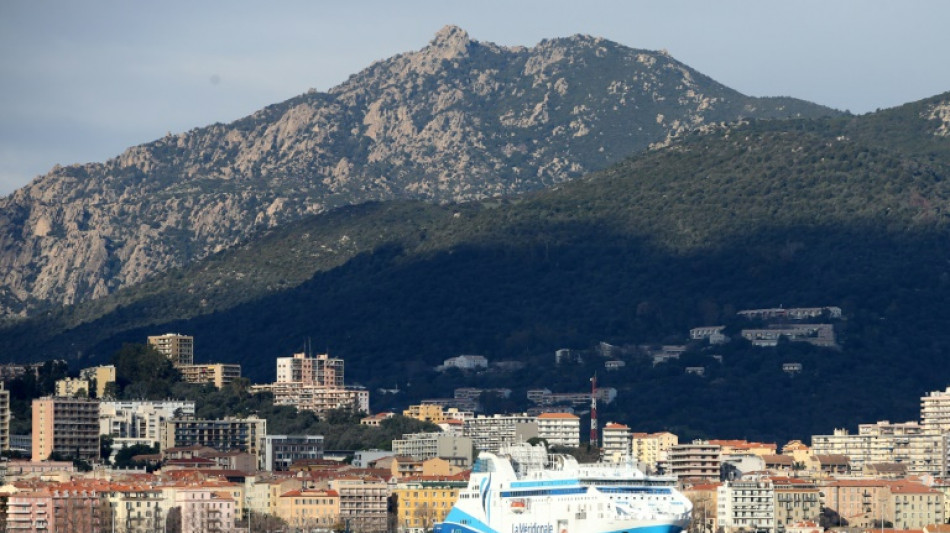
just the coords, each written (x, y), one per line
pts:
(448, 527)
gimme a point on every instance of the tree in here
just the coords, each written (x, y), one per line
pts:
(143, 372)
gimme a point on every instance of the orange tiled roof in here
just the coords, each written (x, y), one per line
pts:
(566, 416)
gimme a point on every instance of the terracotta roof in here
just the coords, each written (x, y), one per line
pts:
(778, 460)
(833, 459)
(614, 425)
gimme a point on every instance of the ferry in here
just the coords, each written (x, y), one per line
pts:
(522, 489)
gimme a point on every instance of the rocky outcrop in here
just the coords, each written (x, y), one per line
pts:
(455, 121)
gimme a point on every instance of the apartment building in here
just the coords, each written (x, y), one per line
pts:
(244, 434)
(302, 368)
(205, 510)
(489, 433)
(698, 460)
(178, 348)
(72, 387)
(617, 442)
(217, 374)
(796, 501)
(314, 384)
(99, 377)
(746, 505)
(456, 450)
(935, 411)
(425, 412)
(363, 502)
(309, 509)
(67, 426)
(560, 429)
(652, 449)
(908, 443)
(4, 417)
(422, 502)
(139, 422)
(281, 451)
(865, 503)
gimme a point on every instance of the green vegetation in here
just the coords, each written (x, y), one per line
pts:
(811, 212)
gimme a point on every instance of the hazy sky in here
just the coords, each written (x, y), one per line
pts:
(82, 81)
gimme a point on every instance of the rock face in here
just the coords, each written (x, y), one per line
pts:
(455, 121)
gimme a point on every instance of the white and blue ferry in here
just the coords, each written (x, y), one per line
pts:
(524, 490)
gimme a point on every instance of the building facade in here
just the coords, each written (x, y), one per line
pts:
(456, 450)
(217, 374)
(281, 451)
(178, 348)
(489, 433)
(560, 429)
(698, 460)
(66, 426)
(228, 434)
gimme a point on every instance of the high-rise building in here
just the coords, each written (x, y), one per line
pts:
(560, 429)
(4, 418)
(935, 411)
(301, 368)
(180, 349)
(314, 384)
(699, 460)
(617, 440)
(67, 426)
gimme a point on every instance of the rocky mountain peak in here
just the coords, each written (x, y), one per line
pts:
(450, 42)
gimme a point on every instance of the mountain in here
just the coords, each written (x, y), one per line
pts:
(795, 213)
(456, 121)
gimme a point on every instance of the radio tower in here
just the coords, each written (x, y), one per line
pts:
(593, 411)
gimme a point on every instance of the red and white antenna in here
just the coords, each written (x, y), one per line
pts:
(593, 411)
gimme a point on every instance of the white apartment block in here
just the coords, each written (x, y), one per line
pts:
(457, 450)
(320, 370)
(560, 429)
(746, 505)
(140, 419)
(617, 442)
(4, 418)
(935, 411)
(314, 384)
(906, 443)
(489, 433)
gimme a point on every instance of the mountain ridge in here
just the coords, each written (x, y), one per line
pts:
(457, 120)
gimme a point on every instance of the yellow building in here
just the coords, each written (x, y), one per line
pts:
(652, 448)
(102, 375)
(426, 412)
(217, 374)
(424, 501)
(70, 387)
(309, 508)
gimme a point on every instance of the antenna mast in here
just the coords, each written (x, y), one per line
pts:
(593, 411)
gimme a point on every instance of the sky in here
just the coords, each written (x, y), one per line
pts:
(83, 81)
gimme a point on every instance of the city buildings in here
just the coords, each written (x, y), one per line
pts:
(65, 426)
(309, 509)
(314, 384)
(424, 501)
(617, 442)
(906, 443)
(72, 387)
(652, 449)
(489, 433)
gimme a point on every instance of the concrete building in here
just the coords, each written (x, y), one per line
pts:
(746, 505)
(314, 384)
(244, 434)
(309, 509)
(363, 502)
(652, 449)
(617, 439)
(205, 510)
(465, 362)
(560, 429)
(424, 501)
(489, 433)
(455, 449)
(865, 503)
(141, 419)
(5, 439)
(935, 411)
(796, 501)
(907, 443)
(99, 377)
(320, 370)
(217, 374)
(70, 387)
(698, 460)
(180, 349)
(67, 426)
(281, 451)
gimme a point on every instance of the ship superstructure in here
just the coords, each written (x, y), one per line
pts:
(522, 489)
